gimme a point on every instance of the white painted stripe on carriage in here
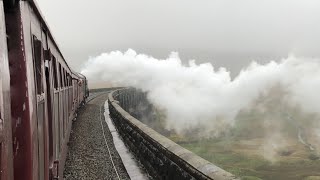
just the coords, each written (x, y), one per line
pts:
(127, 158)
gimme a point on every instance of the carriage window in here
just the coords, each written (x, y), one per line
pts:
(64, 77)
(69, 80)
(60, 73)
(37, 49)
(68, 77)
(55, 80)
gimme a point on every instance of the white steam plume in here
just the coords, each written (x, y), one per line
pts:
(198, 94)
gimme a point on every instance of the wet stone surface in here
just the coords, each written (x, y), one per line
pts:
(88, 156)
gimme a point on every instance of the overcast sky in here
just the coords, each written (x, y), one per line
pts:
(226, 32)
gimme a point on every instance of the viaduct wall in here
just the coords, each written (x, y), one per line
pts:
(162, 158)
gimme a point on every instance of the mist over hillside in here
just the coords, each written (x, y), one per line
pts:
(268, 112)
(282, 93)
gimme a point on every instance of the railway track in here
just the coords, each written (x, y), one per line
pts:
(106, 143)
(92, 154)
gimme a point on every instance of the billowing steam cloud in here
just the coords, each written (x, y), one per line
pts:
(193, 95)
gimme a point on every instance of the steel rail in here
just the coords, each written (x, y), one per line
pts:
(103, 132)
(105, 140)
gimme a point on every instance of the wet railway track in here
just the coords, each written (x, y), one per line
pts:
(106, 143)
(92, 154)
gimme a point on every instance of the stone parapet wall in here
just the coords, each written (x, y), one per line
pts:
(161, 157)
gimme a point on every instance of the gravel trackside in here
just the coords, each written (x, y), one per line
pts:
(88, 156)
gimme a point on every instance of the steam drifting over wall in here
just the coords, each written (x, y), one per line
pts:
(193, 95)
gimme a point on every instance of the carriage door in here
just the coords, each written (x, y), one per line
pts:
(38, 70)
(49, 97)
(6, 164)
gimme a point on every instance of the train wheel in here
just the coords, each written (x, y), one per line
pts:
(9, 3)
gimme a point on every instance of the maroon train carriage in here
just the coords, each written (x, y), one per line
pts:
(39, 95)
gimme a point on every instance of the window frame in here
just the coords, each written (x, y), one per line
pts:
(37, 65)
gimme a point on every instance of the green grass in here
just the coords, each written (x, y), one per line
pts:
(251, 166)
